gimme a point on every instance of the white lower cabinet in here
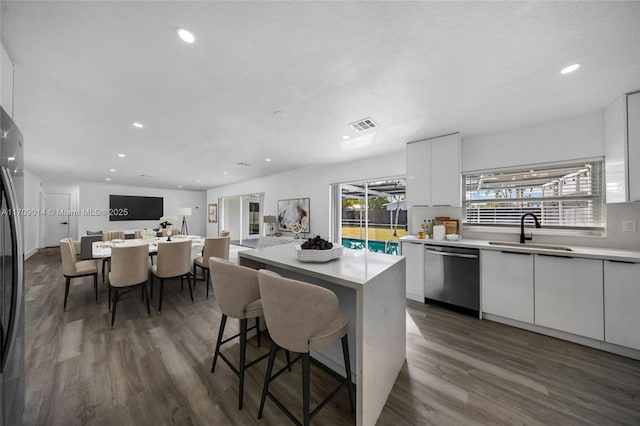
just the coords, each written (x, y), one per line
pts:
(415, 282)
(507, 284)
(569, 295)
(621, 303)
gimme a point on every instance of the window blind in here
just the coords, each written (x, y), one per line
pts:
(568, 196)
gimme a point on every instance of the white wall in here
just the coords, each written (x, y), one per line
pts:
(33, 190)
(6, 81)
(231, 215)
(96, 196)
(560, 140)
(566, 139)
(311, 182)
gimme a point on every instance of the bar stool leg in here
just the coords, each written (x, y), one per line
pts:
(95, 285)
(208, 282)
(267, 377)
(258, 329)
(66, 292)
(347, 368)
(243, 352)
(223, 322)
(306, 418)
(288, 361)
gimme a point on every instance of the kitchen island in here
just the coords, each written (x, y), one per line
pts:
(371, 291)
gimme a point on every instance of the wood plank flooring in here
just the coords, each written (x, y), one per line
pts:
(156, 370)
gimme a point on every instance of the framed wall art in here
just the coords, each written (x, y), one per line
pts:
(293, 215)
(213, 213)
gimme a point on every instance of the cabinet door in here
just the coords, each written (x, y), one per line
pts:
(568, 295)
(415, 283)
(507, 285)
(418, 173)
(633, 138)
(615, 143)
(621, 302)
(445, 171)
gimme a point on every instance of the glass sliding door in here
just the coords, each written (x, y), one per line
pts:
(373, 215)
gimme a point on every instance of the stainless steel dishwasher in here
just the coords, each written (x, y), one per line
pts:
(452, 276)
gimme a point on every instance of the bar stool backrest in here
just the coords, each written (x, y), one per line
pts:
(235, 286)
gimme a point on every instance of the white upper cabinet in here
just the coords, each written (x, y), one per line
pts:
(633, 141)
(622, 149)
(433, 172)
(6, 82)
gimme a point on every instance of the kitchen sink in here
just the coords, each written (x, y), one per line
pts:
(532, 245)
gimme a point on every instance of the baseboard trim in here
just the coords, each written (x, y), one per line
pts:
(30, 253)
(581, 340)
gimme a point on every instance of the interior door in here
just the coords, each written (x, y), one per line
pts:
(56, 221)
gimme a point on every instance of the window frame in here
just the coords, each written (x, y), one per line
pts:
(552, 229)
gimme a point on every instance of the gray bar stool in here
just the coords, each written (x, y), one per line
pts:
(236, 289)
(301, 317)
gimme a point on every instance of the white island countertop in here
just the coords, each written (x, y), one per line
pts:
(371, 289)
(354, 269)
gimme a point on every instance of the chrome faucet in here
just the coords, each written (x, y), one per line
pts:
(522, 237)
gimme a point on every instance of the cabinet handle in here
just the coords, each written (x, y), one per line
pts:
(441, 205)
(515, 252)
(555, 255)
(622, 261)
(444, 253)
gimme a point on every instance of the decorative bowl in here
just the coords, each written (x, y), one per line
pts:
(453, 237)
(318, 256)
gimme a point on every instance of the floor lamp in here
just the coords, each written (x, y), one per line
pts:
(184, 212)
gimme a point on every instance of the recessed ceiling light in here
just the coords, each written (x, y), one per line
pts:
(267, 160)
(197, 180)
(112, 170)
(570, 68)
(138, 125)
(121, 155)
(186, 35)
(345, 137)
(179, 186)
(224, 173)
(108, 179)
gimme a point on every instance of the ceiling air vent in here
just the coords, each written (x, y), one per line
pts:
(364, 124)
(242, 163)
(145, 176)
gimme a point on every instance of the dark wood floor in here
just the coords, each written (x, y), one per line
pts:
(155, 370)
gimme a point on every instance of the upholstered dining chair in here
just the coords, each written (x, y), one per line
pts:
(72, 268)
(213, 247)
(173, 261)
(129, 269)
(238, 296)
(301, 317)
(108, 236)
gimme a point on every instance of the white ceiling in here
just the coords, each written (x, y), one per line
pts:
(85, 71)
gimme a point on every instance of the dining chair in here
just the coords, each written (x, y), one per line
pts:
(238, 296)
(224, 233)
(72, 268)
(301, 317)
(173, 261)
(213, 247)
(129, 269)
(108, 236)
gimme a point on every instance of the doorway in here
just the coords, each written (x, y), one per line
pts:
(372, 214)
(56, 223)
(242, 217)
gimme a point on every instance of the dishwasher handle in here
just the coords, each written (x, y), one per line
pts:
(445, 253)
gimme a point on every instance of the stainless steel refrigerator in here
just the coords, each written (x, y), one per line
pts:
(11, 273)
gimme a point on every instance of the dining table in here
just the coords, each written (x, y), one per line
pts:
(102, 249)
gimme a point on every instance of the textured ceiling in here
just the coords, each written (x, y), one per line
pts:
(85, 71)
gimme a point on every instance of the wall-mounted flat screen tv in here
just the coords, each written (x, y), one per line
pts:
(131, 207)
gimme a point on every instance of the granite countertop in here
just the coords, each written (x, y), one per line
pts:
(621, 255)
